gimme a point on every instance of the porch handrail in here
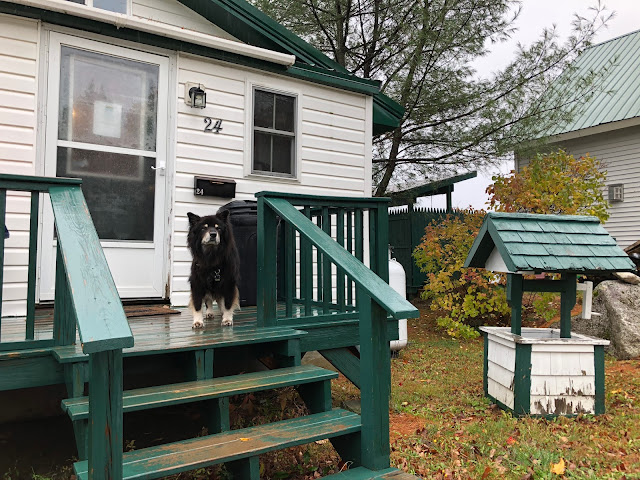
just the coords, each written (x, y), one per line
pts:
(86, 297)
(375, 300)
(376, 288)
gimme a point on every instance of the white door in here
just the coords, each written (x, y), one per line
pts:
(107, 124)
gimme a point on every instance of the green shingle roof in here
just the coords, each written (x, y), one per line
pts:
(618, 97)
(548, 243)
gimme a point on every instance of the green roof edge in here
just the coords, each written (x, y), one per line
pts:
(542, 216)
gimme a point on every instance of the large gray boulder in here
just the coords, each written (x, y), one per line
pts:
(618, 304)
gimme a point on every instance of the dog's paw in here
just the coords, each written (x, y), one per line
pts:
(227, 322)
(197, 324)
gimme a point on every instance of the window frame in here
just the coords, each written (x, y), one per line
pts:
(296, 153)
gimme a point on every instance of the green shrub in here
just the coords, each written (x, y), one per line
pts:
(468, 297)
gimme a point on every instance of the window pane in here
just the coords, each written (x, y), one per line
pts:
(284, 113)
(282, 154)
(119, 190)
(261, 152)
(263, 109)
(119, 6)
(107, 100)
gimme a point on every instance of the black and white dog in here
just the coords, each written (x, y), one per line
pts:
(215, 270)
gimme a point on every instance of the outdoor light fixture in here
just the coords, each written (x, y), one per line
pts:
(195, 96)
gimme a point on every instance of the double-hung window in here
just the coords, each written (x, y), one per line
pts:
(274, 133)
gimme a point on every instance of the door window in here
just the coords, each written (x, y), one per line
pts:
(107, 127)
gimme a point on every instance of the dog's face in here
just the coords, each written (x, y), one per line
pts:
(208, 232)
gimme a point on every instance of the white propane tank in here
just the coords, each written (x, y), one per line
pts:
(398, 281)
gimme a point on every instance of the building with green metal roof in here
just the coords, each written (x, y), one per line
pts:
(608, 128)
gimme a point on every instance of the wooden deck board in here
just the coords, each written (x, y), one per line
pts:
(156, 462)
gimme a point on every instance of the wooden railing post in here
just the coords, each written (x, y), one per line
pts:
(33, 255)
(267, 265)
(64, 320)
(375, 383)
(105, 405)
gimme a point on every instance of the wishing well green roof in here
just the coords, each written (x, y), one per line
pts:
(548, 243)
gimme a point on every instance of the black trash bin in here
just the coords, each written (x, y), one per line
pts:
(243, 216)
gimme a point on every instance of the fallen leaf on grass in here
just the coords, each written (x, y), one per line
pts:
(486, 473)
(558, 468)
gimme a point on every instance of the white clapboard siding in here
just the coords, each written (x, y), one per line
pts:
(500, 370)
(172, 12)
(18, 82)
(619, 151)
(332, 136)
(562, 405)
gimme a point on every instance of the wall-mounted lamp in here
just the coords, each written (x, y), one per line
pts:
(194, 95)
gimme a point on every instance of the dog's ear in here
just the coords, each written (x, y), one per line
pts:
(223, 215)
(193, 218)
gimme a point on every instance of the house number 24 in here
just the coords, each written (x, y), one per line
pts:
(212, 126)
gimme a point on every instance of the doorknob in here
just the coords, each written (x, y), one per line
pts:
(160, 170)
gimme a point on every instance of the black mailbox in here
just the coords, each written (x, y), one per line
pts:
(214, 187)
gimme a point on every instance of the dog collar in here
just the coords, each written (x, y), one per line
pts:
(216, 277)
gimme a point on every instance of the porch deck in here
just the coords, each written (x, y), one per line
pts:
(173, 331)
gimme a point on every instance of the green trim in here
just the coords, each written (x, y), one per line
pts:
(502, 249)
(485, 369)
(481, 249)
(514, 299)
(544, 217)
(522, 380)
(598, 356)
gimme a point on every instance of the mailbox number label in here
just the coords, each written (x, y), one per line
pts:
(212, 126)
(199, 191)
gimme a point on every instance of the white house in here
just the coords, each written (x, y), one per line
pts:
(102, 90)
(608, 128)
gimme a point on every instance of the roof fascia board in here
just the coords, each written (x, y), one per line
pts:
(482, 246)
(241, 19)
(595, 130)
(125, 21)
(502, 249)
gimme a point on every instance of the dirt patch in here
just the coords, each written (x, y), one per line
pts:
(403, 425)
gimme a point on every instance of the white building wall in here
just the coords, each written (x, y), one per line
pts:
(334, 151)
(171, 12)
(619, 151)
(19, 39)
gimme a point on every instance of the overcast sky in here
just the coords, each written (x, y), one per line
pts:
(535, 15)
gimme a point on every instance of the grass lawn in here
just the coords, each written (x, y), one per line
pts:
(443, 428)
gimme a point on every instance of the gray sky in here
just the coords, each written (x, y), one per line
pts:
(535, 15)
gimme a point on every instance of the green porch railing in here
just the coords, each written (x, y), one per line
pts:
(86, 298)
(324, 239)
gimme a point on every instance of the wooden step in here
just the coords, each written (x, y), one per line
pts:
(166, 395)
(157, 462)
(186, 339)
(362, 473)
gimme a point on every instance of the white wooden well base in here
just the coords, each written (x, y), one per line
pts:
(539, 373)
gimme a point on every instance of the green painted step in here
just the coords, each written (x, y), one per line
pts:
(165, 395)
(362, 473)
(157, 462)
(188, 340)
